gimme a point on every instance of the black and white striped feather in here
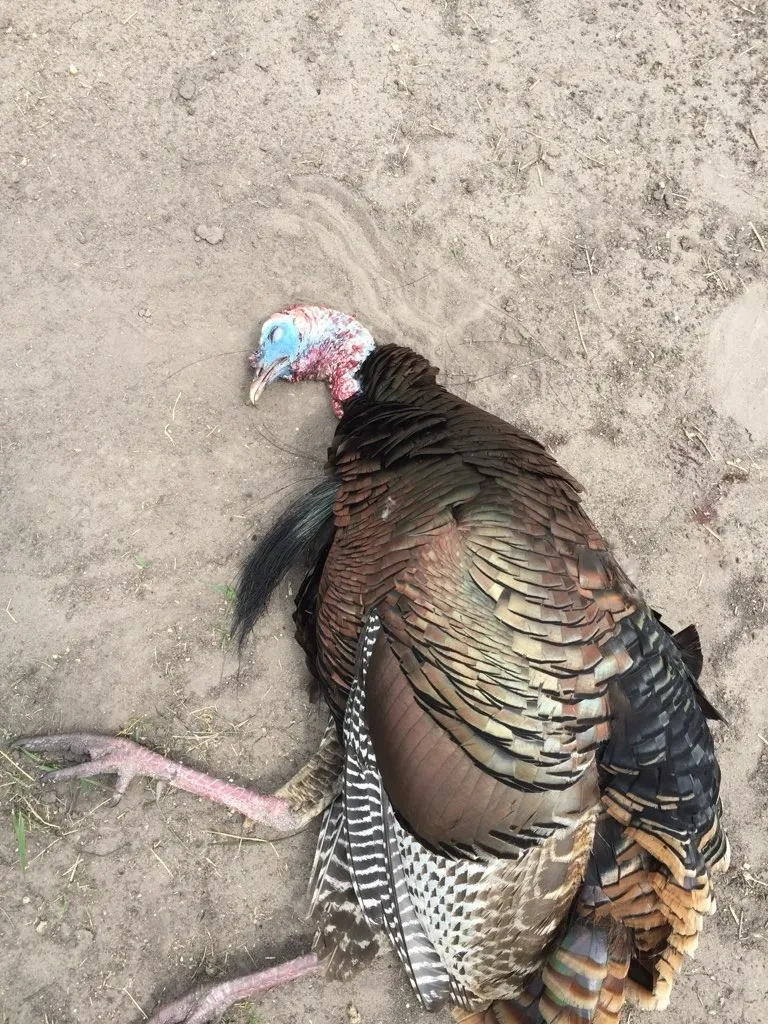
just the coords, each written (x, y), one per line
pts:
(358, 844)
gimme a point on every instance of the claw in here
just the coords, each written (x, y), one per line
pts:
(72, 743)
(98, 766)
(104, 753)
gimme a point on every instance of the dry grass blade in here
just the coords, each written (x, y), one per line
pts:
(160, 859)
(581, 335)
(16, 767)
(235, 838)
(138, 1007)
(43, 821)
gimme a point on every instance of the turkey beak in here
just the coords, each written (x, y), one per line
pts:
(263, 376)
(258, 384)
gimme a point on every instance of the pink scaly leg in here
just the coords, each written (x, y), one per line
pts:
(291, 808)
(209, 1002)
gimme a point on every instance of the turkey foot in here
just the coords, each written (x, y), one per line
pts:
(209, 1002)
(289, 809)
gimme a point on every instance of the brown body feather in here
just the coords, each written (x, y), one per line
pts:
(526, 708)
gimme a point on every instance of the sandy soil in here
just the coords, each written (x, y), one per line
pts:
(562, 204)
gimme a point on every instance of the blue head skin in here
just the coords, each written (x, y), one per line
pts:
(311, 343)
(280, 344)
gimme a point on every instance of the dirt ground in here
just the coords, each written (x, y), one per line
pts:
(563, 204)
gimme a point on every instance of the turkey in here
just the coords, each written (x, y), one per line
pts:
(518, 785)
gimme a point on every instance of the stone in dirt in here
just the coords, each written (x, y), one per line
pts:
(186, 89)
(212, 235)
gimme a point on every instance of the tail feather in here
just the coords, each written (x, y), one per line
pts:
(582, 982)
(613, 992)
(305, 524)
(688, 643)
(523, 1010)
(574, 974)
(501, 1012)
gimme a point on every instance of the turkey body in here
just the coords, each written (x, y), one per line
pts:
(529, 794)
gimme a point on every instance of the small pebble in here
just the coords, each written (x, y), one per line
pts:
(212, 235)
(41, 927)
(186, 89)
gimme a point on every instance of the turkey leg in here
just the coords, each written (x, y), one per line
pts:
(209, 1002)
(291, 808)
